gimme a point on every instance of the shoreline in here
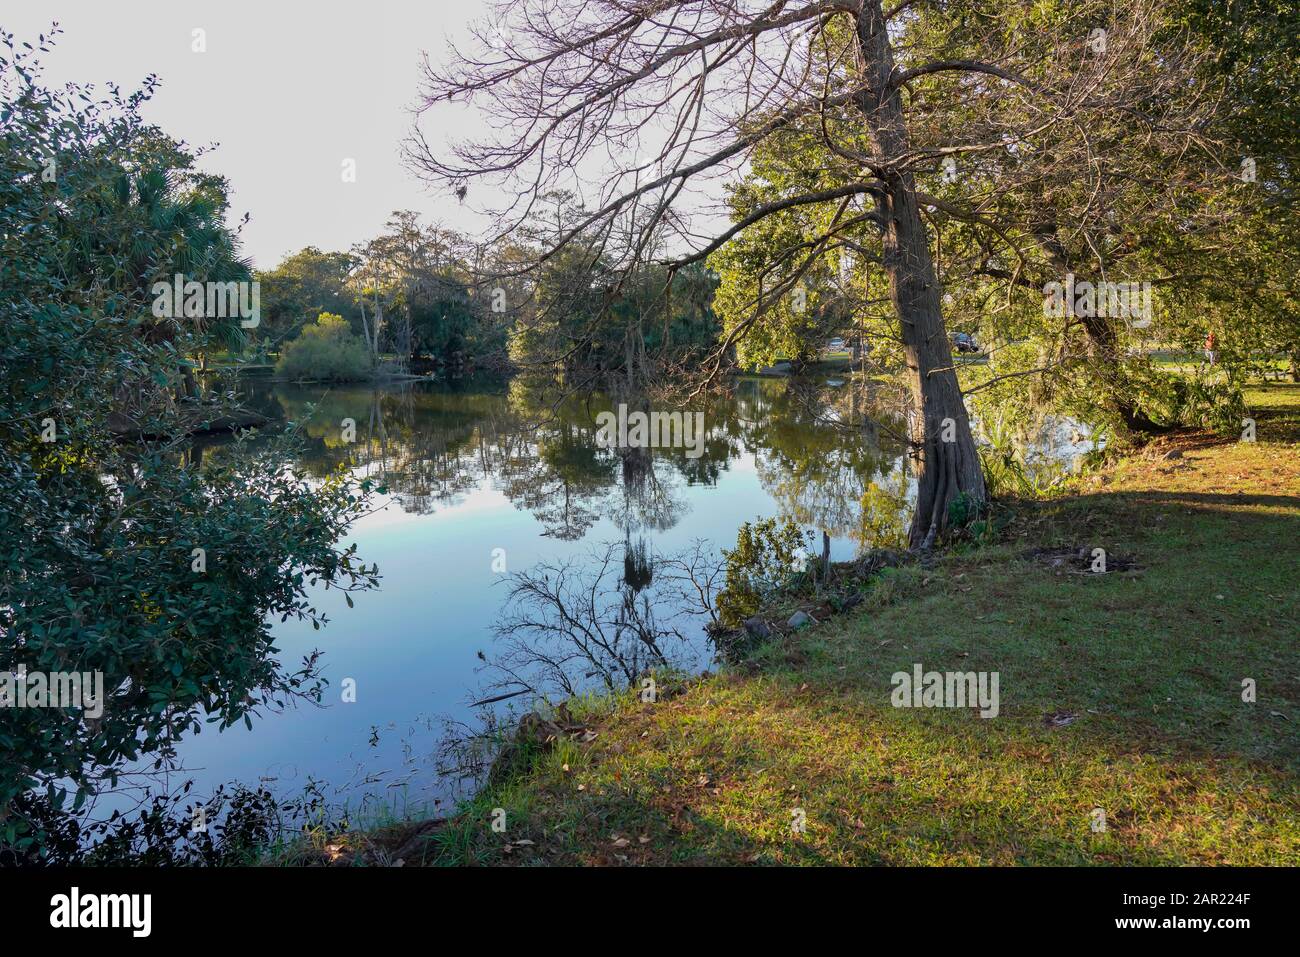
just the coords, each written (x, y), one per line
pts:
(1108, 704)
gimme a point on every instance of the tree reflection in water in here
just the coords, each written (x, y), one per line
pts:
(568, 625)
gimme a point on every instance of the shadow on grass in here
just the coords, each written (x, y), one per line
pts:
(1165, 650)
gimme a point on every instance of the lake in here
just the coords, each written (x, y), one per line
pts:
(485, 480)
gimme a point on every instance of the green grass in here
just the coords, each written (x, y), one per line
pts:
(1150, 660)
(1178, 360)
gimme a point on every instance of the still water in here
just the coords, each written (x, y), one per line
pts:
(491, 479)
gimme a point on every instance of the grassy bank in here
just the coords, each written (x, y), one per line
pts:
(1120, 691)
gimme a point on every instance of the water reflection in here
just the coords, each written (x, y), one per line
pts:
(432, 445)
(626, 537)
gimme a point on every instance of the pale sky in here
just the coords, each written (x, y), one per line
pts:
(287, 89)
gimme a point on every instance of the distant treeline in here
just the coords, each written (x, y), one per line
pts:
(419, 298)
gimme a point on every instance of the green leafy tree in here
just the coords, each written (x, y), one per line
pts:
(590, 323)
(326, 351)
(116, 559)
(303, 286)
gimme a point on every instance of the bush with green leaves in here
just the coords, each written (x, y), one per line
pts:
(122, 557)
(326, 351)
(767, 557)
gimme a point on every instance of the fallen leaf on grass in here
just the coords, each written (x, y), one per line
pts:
(1060, 719)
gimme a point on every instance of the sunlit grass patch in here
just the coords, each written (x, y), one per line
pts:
(724, 776)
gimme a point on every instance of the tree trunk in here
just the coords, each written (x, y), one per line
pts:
(189, 388)
(1117, 391)
(947, 464)
(1105, 362)
(371, 347)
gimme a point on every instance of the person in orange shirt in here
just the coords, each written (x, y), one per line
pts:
(1209, 347)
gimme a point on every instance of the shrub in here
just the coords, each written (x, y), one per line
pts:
(327, 350)
(766, 558)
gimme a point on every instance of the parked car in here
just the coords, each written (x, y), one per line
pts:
(965, 342)
(835, 345)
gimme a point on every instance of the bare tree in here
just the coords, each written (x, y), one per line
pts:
(657, 101)
(564, 627)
